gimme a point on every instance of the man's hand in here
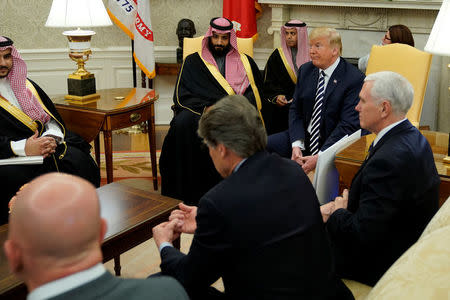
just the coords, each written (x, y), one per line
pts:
(341, 202)
(186, 217)
(309, 163)
(297, 155)
(281, 100)
(40, 145)
(326, 210)
(165, 232)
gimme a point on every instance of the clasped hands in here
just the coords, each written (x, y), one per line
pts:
(339, 202)
(44, 145)
(308, 163)
(180, 221)
(282, 101)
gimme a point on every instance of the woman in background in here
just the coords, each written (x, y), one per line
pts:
(395, 34)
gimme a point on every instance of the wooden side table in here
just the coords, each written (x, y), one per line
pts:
(349, 160)
(116, 109)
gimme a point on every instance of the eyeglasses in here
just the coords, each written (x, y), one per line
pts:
(386, 37)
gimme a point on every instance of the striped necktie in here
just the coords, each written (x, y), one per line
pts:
(317, 115)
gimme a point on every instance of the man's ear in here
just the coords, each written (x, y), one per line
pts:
(103, 229)
(222, 150)
(335, 51)
(14, 256)
(386, 108)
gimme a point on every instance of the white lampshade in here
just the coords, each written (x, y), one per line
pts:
(78, 13)
(439, 40)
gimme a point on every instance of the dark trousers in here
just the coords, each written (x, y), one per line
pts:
(280, 143)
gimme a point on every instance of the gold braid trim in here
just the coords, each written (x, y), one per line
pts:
(248, 70)
(287, 66)
(218, 76)
(18, 114)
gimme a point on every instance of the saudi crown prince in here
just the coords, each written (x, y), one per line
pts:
(30, 126)
(206, 76)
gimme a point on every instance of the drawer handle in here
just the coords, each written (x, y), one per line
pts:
(135, 117)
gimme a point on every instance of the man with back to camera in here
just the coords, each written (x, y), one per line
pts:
(266, 240)
(54, 238)
(187, 172)
(30, 125)
(395, 192)
(280, 73)
(325, 96)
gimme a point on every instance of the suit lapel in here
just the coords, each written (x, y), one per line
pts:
(310, 104)
(334, 80)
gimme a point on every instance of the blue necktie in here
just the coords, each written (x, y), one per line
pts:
(317, 115)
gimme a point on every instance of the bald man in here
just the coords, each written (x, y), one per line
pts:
(54, 245)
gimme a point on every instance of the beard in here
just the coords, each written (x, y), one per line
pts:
(218, 50)
(2, 69)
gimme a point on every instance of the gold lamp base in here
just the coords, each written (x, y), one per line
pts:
(81, 83)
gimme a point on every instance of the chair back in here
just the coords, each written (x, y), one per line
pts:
(191, 45)
(408, 61)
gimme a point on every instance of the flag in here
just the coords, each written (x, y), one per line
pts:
(133, 17)
(243, 14)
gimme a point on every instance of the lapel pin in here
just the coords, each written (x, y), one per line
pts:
(335, 81)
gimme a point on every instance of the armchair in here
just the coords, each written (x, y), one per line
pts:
(422, 272)
(191, 45)
(408, 61)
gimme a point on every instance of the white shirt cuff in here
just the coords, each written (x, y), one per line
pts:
(164, 245)
(52, 129)
(299, 143)
(18, 147)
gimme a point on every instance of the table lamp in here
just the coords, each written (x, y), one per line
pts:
(439, 41)
(76, 14)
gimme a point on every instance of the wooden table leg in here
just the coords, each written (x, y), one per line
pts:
(97, 149)
(152, 144)
(117, 266)
(108, 155)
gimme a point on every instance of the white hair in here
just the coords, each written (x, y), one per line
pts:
(393, 87)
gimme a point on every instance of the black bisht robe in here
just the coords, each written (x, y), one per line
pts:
(187, 171)
(76, 158)
(277, 82)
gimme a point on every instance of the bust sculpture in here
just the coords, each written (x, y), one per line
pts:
(185, 28)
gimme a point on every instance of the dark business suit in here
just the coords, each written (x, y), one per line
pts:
(111, 288)
(392, 198)
(338, 114)
(260, 229)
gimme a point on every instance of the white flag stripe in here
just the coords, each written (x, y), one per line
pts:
(133, 17)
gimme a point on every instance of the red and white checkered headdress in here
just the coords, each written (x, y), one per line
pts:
(302, 43)
(234, 68)
(17, 78)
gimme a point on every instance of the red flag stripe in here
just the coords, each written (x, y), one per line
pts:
(143, 29)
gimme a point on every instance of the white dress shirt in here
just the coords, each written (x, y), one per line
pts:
(328, 72)
(384, 131)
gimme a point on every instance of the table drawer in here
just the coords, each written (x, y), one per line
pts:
(130, 118)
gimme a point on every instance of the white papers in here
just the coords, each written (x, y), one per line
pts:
(326, 176)
(22, 160)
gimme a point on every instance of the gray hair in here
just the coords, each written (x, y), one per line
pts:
(393, 87)
(235, 123)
